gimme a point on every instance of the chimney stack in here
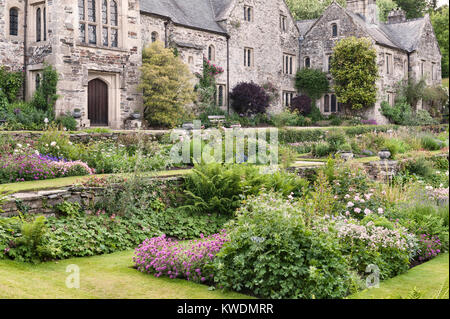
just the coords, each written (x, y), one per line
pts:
(366, 8)
(396, 16)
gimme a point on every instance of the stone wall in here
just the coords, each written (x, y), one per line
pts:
(11, 47)
(45, 202)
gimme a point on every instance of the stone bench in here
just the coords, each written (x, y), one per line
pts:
(216, 119)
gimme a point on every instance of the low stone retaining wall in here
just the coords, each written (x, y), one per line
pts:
(82, 137)
(45, 202)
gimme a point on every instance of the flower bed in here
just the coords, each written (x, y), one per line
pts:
(28, 167)
(164, 256)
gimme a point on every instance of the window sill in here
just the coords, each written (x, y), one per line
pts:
(98, 47)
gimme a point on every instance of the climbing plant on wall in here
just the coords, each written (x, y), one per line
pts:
(206, 88)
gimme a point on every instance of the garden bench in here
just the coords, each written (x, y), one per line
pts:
(217, 119)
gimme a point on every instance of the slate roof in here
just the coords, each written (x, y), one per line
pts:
(403, 35)
(199, 14)
(304, 26)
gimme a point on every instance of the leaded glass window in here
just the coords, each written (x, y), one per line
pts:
(13, 21)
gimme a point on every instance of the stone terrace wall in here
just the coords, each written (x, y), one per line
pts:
(45, 202)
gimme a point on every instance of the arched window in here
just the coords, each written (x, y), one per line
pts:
(334, 30)
(326, 106)
(333, 103)
(13, 21)
(329, 63)
(114, 20)
(38, 25)
(220, 98)
(307, 62)
(154, 36)
(249, 14)
(211, 53)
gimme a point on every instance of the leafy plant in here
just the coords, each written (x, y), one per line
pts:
(249, 99)
(312, 82)
(167, 86)
(272, 254)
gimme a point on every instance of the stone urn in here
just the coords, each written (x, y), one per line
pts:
(346, 155)
(384, 155)
(76, 113)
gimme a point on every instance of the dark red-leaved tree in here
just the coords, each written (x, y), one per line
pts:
(302, 104)
(249, 98)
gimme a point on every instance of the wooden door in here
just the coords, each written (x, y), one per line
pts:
(98, 103)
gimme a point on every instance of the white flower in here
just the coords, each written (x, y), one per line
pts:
(350, 204)
(367, 211)
(19, 145)
(36, 152)
(357, 210)
(347, 196)
(46, 120)
(380, 210)
(53, 144)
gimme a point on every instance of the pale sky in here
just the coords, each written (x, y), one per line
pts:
(442, 2)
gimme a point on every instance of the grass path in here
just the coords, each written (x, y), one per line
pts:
(104, 277)
(69, 181)
(428, 278)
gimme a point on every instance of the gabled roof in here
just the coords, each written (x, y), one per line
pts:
(200, 14)
(404, 35)
(304, 26)
(407, 34)
(221, 8)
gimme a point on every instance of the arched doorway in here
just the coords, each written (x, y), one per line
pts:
(98, 102)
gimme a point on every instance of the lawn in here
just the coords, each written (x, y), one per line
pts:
(428, 278)
(107, 276)
(445, 82)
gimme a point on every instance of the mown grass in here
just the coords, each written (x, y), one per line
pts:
(101, 277)
(445, 82)
(427, 278)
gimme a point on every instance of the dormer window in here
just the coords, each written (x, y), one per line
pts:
(334, 30)
(248, 13)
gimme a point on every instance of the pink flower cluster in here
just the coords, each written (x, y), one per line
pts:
(375, 237)
(164, 256)
(430, 247)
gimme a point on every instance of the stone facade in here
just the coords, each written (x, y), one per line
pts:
(224, 30)
(405, 49)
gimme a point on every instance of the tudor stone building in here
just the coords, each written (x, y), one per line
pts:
(405, 48)
(96, 47)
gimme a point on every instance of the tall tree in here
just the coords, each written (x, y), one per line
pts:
(413, 8)
(167, 86)
(355, 71)
(384, 7)
(310, 9)
(440, 21)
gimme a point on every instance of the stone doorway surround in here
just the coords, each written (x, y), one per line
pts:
(112, 80)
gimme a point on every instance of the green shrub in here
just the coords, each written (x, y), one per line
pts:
(420, 166)
(67, 121)
(10, 84)
(396, 146)
(430, 143)
(335, 140)
(216, 188)
(321, 149)
(271, 254)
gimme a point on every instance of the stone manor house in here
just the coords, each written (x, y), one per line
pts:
(96, 47)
